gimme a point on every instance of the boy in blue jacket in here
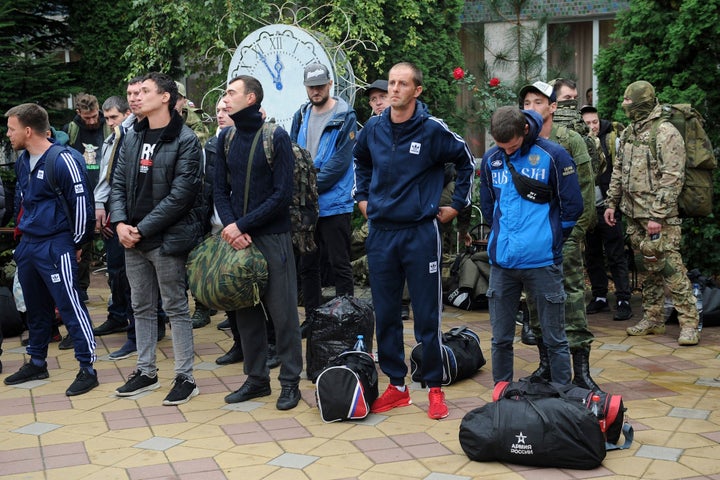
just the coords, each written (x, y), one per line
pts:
(530, 196)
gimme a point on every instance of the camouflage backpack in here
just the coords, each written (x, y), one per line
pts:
(304, 209)
(696, 196)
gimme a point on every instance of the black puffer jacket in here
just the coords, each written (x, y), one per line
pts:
(177, 182)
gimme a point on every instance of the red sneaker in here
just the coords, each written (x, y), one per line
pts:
(391, 398)
(437, 409)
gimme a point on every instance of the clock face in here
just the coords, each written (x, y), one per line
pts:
(277, 56)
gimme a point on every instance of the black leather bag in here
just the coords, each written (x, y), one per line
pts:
(536, 425)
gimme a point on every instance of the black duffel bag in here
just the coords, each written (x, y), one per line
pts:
(534, 424)
(462, 356)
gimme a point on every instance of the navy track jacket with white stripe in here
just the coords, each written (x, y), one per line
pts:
(43, 213)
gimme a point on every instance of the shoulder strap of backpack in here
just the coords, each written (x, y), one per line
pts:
(73, 130)
(249, 169)
(628, 433)
(653, 135)
(268, 136)
(226, 148)
(51, 158)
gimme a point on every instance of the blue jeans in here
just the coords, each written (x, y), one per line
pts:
(545, 286)
(152, 275)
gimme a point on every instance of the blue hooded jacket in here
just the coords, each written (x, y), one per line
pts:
(400, 169)
(525, 234)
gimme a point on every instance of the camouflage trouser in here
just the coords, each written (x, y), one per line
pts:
(672, 275)
(361, 274)
(576, 327)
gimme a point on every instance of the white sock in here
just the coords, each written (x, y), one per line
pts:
(400, 388)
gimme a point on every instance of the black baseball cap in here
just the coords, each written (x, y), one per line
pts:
(377, 85)
(587, 109)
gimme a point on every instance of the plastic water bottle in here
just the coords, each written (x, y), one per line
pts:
(360, 344)
(597, 410)
(668, 308)
(697, 291)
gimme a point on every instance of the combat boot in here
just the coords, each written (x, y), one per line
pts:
(688, 336)
(646, 327)
(543, 370)
(581, 369)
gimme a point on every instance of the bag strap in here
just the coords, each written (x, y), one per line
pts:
(249, 169)
(51, 158)
(628, 433)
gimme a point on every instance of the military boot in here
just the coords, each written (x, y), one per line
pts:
(646, 327)
(543, 370)
(581, 369)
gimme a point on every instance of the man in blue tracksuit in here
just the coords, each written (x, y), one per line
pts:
(400, 161)
(49, 250)
(530, 196)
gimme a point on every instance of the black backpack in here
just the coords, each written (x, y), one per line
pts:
(347, 388)
(461, 354)
(11, 322)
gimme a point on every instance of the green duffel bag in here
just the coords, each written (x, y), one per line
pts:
(223, 278)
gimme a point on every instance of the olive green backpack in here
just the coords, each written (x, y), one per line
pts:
(696, 197)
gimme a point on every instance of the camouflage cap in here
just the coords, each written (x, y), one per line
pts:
(640, 91)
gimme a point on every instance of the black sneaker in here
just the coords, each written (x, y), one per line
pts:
(224, 325)
(272, 360)
(596, 306)
(129, 348)
(200, 318)
(182, 391)
(66, 343)
(27, 372)
(248, 391)
(84, 382)
(289, 397)
(623, 311)
(136, 383)
(111, 325)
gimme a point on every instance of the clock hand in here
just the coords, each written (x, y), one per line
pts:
(278, 69)
(272, 74)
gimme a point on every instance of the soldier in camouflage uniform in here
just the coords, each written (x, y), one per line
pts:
(541, 97)
(646, 189)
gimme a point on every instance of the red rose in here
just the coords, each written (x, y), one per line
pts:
(494, 82)
(458, 73)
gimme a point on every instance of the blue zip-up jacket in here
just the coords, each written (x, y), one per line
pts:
(524, 234)
(43, 214)
(401, 176)
(334, 156)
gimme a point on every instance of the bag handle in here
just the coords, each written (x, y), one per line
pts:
(628, 433)
(249, 169)
(535, 387)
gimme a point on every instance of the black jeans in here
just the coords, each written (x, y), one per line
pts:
(608, 242)
(332, 235)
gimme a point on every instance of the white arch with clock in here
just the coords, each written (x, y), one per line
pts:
(277, 55)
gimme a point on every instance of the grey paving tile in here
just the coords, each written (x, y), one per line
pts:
(372, 419)
(243, 406)
(208, 366)
(708, 382)
(37, 428)
(293, 460)
(31, 384)
(158, 443)
(689, 413)
(615, 347)
(659, 453)
(19, 350)
(445, 476)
